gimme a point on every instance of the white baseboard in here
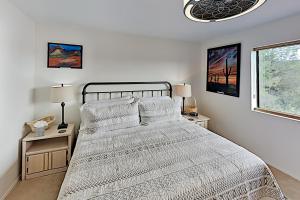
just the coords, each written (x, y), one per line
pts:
(10, 188)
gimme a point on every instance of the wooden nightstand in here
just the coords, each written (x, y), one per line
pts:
(46, 154)
(200, 120)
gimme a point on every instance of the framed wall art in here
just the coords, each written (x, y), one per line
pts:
(64, 56)
(223, 70)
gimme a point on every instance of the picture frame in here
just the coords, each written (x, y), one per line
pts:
(62, 55)
(223, 70)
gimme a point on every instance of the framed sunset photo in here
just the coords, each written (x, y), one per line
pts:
(64, 56)
(223, 70)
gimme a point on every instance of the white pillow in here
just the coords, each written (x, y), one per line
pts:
(100, 104)
(159, 111)
(112, 117)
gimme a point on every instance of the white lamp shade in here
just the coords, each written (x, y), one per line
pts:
(62, 93)
(183, 90)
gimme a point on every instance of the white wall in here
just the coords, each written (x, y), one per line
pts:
(108, 57)
(17, 60)
(274, 139)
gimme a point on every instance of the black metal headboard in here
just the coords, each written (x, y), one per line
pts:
(167, 84)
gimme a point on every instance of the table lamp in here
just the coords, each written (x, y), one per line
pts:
(61, 94)
(183, 90)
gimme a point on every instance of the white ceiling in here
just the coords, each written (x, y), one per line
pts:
(159, 18)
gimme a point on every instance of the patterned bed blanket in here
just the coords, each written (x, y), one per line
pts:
(171, 161)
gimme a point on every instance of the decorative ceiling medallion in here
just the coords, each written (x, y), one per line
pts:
(218, 10)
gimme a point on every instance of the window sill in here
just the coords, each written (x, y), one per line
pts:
(278, 114)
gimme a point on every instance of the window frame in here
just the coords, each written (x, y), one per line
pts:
(255, 81)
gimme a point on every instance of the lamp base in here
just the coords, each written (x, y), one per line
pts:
(62, 126)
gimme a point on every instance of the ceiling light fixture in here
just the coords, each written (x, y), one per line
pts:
(218, 10)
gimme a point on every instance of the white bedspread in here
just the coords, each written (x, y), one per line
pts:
(172, 160)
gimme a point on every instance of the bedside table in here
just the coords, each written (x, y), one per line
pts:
(47, 154)
(200, 120)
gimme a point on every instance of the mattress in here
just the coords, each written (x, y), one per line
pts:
(170, 160)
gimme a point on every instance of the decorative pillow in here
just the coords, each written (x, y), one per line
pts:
(112, 117)
(159, 111)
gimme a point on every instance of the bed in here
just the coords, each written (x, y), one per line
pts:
(170, 160)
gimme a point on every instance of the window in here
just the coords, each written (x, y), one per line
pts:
(276, 79)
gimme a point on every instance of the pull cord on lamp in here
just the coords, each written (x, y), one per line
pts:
(61, 94)
(184, 91)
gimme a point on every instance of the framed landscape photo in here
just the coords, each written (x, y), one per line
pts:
(64, 56)
(223, 70)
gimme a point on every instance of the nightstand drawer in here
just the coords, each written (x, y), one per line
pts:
(199, 120)
(200, 123)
